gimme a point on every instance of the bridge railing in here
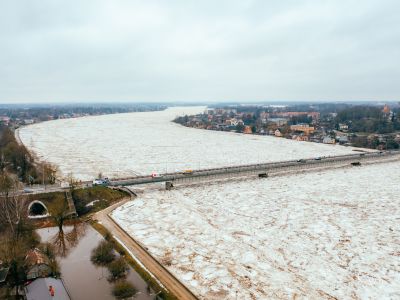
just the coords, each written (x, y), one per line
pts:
(252, 168)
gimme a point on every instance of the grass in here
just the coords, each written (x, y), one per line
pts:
(100, 196)
(132, 262)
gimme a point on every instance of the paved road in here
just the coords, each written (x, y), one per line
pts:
(260, 168)
(163, 275)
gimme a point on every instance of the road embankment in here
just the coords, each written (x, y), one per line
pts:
(166, 278)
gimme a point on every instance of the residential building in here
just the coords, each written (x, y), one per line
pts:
(46, 289)
(328, 140)
(306, 128)
(343, 127)
(247, 130)
(278, 121)
(278, 133)
(37, 264)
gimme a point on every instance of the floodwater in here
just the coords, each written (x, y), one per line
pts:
(83, 279)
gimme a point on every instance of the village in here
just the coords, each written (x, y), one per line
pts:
(15, 116)
(310, 125)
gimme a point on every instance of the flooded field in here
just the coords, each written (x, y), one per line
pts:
(83, 279)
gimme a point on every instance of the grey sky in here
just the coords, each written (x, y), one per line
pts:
(199, 50)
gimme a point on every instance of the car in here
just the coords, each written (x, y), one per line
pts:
(188, 172)
(99, 182)
(317, 158)
(28, 190)
(155, 175)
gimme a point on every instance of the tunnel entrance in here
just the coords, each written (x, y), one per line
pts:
(37, 209)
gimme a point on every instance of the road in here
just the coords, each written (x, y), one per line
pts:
(162, 274)
(260, 168)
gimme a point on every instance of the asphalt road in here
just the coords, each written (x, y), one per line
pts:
(163, 275)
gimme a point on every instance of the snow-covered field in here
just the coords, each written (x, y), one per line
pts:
(140, 143)
(328, 235)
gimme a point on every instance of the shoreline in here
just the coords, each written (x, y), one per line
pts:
(145, 260)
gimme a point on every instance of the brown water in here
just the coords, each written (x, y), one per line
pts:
(84, 280)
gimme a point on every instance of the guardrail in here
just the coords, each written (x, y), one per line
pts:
(263, 167)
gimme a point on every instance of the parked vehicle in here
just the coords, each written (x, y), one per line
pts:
(101, 181)
(64, 185)
(317, 158)
(188, 172)
(155, 175)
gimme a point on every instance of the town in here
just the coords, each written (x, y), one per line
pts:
(16, 115)
(370, 126)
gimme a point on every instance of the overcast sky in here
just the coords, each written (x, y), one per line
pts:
(199, 50)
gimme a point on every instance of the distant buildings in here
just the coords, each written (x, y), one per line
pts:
(328, 140)
(306, 128)
(303, 123)
(278, 121)
(289, 114)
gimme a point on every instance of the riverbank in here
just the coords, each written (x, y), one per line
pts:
(76, 261)
(147, 266)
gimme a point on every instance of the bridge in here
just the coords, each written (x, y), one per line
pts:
(261, 169)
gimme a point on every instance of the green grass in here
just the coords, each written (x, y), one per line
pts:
(103, 196)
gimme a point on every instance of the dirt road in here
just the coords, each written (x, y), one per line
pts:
(162, 274)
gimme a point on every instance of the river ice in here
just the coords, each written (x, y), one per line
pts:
(328, 234)
(333, 234)
(139, 143)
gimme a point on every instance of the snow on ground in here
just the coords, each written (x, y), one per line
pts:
(140, 143)
(319, 235)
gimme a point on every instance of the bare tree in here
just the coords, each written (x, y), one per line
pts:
(64, 241)
(12, 204)
(49, 172)
(16, 236)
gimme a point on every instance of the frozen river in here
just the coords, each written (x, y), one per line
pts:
(326, 235)
(140, 143)
(323, 235)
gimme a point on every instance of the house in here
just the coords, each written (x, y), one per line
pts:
(343, 127)
(278, 133)
(232, 122)
(28, 121)
(343, 139)
(37, 264)
(278, 121)
(5, 120)
(306, 128)
(247, 130)
(328, 140)
(46, 289)
(386, 109)
(300, 138)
